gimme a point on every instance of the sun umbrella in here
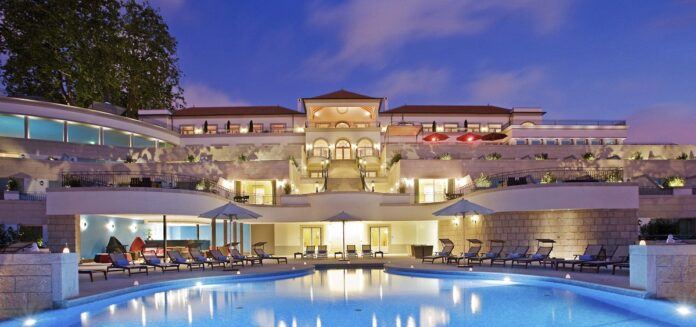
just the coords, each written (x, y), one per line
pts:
(251, 126)
(468, 137)
(434, 137)
(494, 136)
(463, 207)
(343, 217)
(231, 211)
(205, 127)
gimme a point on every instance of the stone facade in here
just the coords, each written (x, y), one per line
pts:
(572, 230)
(665, 271)
(34, 282)
(63, 230)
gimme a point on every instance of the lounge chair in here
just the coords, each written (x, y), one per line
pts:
(176, 258)
(493, 253)
(309, 252)
(263, 255)
(237, 256)
(367, 251)
(217, 257)
(197, 256)
(617, 256)
(592, 253)
(474, 249)
(518, 253)
(91, 271)
(620, 265)
(322, 252)
(544, 248)
(119, 262)
(447, 248)
(351, 251)
(153, 261)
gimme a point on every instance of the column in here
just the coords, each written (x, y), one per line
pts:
(224, 231)
(241, 237)
(213, 232)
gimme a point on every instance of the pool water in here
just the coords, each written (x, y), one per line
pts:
(359, 298)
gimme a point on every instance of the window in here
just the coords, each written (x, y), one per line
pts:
(343, 151)
(212, 129)
(535, 142)
(474, 127)
(311, 236)
(361, 125)
(316, 174)
(427, 127)
(320, 148)
(278, 128)
(552, 142)
(142, 142)
(342, 125)
(370, 173)
(566, 141)
(527, 124)
(365, 148)
(116, 138)
(82, 133)
(581, 142)
(495, 128)
(11, 125)
(258, 128)
(186, 130)
(520, 141)
(379, 238)
(322, 125)
(45, 129)
(611, 141)
(596, 142)
(234, 129)
(451, 127)
(431, 190)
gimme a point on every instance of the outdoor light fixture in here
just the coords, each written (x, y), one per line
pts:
(642, 242)
(66, 249)
(29, 322)
(455, 221)
(111, 226)
(83, 224)
(134, 227)
(475, 218)
(567, 276)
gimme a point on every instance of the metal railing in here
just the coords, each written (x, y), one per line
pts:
(584, 122)
(34, 196)
(655, 191)
(146, 180)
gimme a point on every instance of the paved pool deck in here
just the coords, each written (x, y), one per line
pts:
(119, 280)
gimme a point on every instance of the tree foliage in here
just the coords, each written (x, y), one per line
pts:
(81, 51)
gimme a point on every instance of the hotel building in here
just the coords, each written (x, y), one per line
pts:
(88, 174)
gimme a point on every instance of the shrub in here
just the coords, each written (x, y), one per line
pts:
(7, 236)
(541, 156)
(293, 160)
(191, 158)
(589, 156)
(129, 159)
(12, 184)
(402, 188)
(636, 156)
(548, 178)
(287, 188)
(483, 181)
(614, 176)
(445, 156)
(396, 158)
(242, 158)
(493, 156)
(659, 227)
(683, 156)
(674, 181)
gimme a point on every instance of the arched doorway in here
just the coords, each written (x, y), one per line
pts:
(320, 148)
(365, 148)
(343, 151)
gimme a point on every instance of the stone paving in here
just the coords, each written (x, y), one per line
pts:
(119, 280)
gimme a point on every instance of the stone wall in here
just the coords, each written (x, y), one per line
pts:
(32, 213)
(665, 271)
(34, 282)
(63, 230)
(572, 230)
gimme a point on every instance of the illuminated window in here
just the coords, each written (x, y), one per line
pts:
(187, 129)
(11, 126)
(316, 174)
(451, 127)
(495, 128)
(474, 127)
(427, 127)
(278, 128)
(82, 133)
(566, 141)
(212, 129)
(527, 124)
(311, 236)
(432, 190)
(343, 150)
(362, 125)
(234, 129)
(142, 142)
(258, 128)
(342, 125)
(596, 142)
(552, 142)
(45, 129)
(322, 125)
(370, 173)
(116, 138)
(320, 148)
(581, 142)
(611, 141)
(365, 148)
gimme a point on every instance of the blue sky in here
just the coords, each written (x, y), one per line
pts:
(632, 60)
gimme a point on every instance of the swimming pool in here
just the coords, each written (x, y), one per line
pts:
(366, 298)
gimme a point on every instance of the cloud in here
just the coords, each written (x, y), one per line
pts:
(200, 95)
(368, 31)
(507, 87)
(422, 81)
(663, 123)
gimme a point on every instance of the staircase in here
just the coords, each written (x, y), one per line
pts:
(343, 177)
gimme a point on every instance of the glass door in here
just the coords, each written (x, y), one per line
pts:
(311, 236)
(379, 238)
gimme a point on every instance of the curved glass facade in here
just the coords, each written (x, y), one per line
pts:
(11, 125)
(46, 129)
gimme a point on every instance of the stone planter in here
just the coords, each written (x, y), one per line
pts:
(11, 195)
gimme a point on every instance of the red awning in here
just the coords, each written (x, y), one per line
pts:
(435, 137)
(494, 136)
(468, 137)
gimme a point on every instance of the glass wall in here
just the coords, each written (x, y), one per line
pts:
(46, 129)
(11, 125)
(84, 134)
(432, 190)
(142, 142)
(116, 138)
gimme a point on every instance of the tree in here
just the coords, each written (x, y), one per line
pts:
(81, 51)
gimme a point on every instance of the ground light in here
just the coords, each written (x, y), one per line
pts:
(199, 284)
(29, 322)
(683, 310)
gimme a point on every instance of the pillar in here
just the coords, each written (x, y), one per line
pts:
(213, 232)
(224, 231)
(64, 230)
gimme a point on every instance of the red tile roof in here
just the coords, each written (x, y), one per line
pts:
(448, 109)
(342, 95)
(236, 111)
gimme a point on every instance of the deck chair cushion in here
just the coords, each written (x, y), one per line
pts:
(491, 255)
(154, 260)
(180, 260)
(586, 257)
(221, 258)
(537, 256)
(121, 262)
(515, 255)
(199, 257)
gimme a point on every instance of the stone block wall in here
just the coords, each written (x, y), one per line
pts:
(572, 230)
(63, 230)
(665, 271)
(34, 282)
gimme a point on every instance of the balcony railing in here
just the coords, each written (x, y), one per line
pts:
(70, 179)
(584, 122)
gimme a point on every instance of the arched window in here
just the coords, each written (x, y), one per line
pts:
(528, 124)
(342, 124)
(320, 148)
(365, 148)
(343, 150)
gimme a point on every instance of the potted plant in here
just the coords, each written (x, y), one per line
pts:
(683, 156)
(493, 156)
(446, 156)
(483, 181)
(287, 188)
(541, 156)
(589, 156)
(12, 189)
(548, 178)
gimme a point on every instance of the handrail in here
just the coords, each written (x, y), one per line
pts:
(71, 179)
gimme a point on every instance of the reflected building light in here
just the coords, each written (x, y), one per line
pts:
(112, 309)
(456, 295)
(294, 322)
(134, 303)
(282, 323)
(210, 305)
(374, 320)
(381, 293)
(398, 321)
(475, 303)
(143, 317)
(190, 314)
(318, 321)
(84, 318)
(433, 316)
(29, 322)
(410, 322)
(683, 310)
(311, 293)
